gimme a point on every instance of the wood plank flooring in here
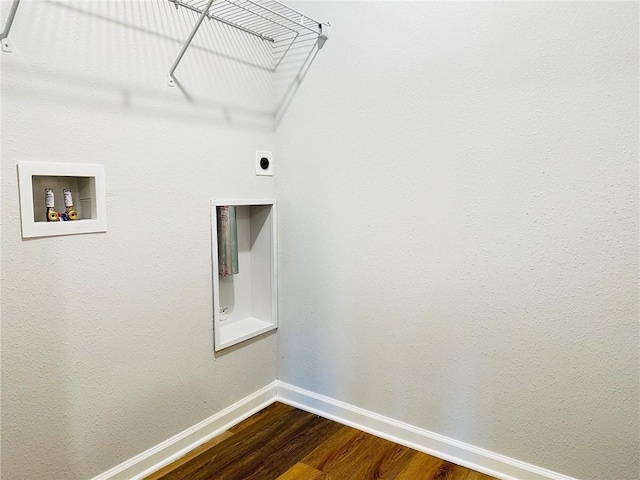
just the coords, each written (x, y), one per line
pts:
(284, 443)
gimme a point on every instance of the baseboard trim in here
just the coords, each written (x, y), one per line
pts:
(460, 453)
(177, 446)
(457, 452)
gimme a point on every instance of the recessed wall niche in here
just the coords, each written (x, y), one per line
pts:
(244, 243)
(42, 191)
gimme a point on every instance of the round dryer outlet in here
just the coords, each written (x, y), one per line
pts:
(264, 163)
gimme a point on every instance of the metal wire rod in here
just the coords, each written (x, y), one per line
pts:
(253, 14)
(218, 18)
(281, 15)
(7, 27)
(203, 15)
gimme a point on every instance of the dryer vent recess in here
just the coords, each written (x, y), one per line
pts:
(264, 163)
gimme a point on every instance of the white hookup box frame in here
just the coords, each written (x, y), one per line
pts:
(87, 184)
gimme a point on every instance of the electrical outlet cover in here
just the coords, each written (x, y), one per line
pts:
(264, 163)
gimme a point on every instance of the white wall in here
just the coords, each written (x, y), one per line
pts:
(107, 344)
(458, 187)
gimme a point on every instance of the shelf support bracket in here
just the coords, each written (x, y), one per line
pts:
(323, 35)
(203, 15)
(6, 45)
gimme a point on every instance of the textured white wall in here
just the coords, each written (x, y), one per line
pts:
(107, 344)
(458, 188)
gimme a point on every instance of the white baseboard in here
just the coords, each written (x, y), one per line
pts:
(166, 452)
(419, 439)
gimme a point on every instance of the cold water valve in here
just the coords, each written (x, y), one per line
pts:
(70, 213)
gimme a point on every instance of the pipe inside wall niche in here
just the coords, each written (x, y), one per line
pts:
(227, 241)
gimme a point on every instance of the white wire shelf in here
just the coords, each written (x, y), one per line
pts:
(269, 20)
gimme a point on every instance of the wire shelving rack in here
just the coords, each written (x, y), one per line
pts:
(269, 20)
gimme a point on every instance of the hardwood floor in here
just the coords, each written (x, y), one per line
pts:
(284, 443)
